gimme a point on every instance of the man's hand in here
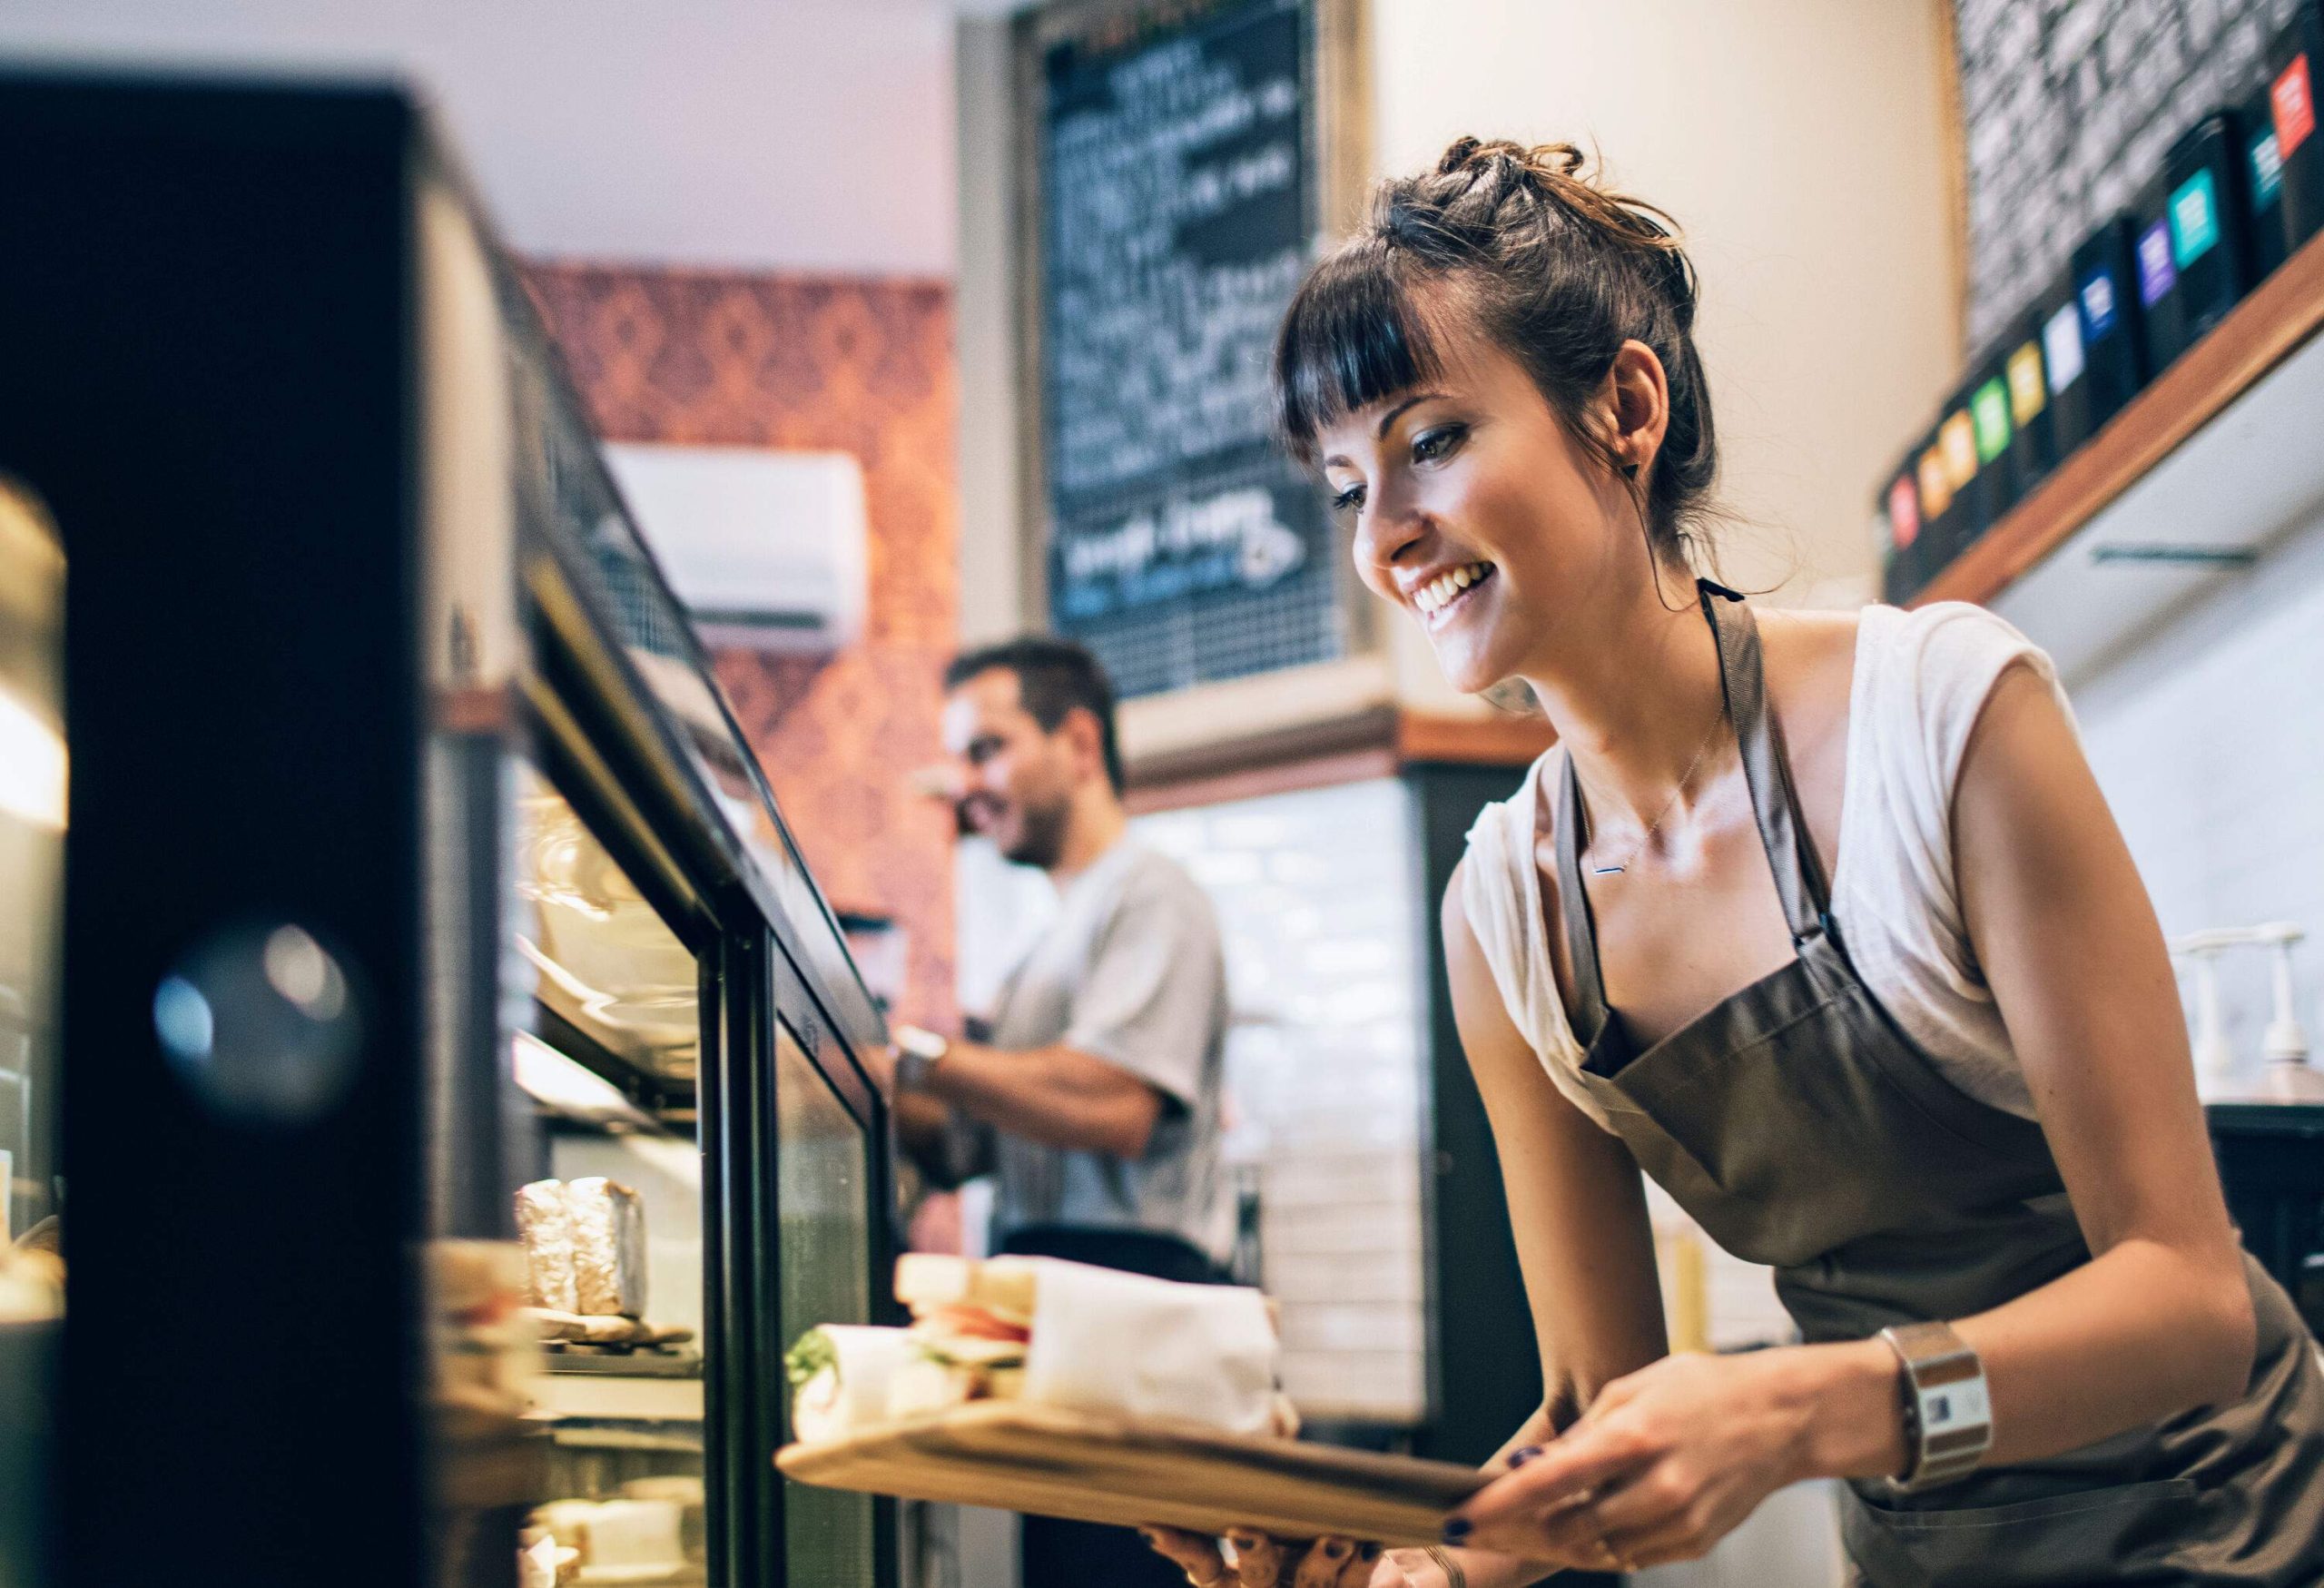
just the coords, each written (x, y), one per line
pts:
(1056, 1096)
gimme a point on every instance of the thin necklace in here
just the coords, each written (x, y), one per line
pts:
(1668, 805)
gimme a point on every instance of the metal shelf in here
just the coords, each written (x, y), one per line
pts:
(621, 1398)
(633, 1365)
(669, 1099)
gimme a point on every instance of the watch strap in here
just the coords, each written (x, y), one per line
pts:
(1948, 1411)
(917, 1053)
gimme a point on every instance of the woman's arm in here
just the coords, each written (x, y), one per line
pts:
(1577, 1209)
(2161, 1320)
(2158, 1322)
(1576, 1206)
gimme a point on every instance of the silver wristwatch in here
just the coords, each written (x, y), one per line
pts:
(1948, 1415)
(917, 1053)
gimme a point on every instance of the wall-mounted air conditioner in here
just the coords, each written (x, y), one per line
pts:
(766, 548)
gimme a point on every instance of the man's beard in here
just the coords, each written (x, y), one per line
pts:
(1041, 834)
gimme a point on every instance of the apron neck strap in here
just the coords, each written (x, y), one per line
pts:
(1783, 831)
(1574, 905)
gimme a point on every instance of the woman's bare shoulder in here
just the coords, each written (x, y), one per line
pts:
(1810, 663)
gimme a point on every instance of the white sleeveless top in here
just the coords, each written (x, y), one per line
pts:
(1922, 677)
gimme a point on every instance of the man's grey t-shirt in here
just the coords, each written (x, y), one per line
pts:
(1129, 971)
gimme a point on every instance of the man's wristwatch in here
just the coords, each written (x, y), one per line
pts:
(917, 1053)
(1948, 1415)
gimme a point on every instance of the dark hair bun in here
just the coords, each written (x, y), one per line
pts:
(1555, 266)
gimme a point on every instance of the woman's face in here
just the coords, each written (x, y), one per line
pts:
(1479, 515)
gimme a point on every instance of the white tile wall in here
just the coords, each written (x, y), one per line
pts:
(1323, 1065)
(1315, 899)
(2208, 741)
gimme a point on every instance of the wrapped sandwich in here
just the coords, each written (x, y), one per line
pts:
(1045, 1331)
(585, 1246)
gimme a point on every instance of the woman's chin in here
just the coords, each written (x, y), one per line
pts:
(1466, 669)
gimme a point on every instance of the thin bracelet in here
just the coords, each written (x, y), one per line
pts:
(1454, 1577)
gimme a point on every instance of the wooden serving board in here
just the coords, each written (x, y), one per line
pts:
(1015, 1457)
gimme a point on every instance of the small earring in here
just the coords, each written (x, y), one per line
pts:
(1629, 471)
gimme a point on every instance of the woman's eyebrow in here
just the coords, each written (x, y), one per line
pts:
(1395, 413)
(1380, 432)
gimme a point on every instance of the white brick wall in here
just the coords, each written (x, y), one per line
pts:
(2209, 740)
(1315, 895)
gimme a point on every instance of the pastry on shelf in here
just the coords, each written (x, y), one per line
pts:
(597, 1329)
(618, 1541)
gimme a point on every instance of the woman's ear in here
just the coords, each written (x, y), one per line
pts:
(1638, 392)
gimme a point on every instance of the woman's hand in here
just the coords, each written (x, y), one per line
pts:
(1666, 1462)
(1261, 1562)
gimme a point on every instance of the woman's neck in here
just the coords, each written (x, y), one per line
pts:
(1635, 707)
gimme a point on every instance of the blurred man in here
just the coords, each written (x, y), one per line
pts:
(1095, 1103)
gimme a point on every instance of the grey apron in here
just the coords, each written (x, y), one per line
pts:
(1803, 1129)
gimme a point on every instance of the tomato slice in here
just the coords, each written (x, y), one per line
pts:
(972, 1323)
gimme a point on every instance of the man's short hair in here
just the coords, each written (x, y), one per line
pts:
(1053, 676)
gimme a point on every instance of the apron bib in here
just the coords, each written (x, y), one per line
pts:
(1803, 1129)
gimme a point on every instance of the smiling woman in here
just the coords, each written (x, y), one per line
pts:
(1918, 1052)
(1479, 321)
(1511, 244)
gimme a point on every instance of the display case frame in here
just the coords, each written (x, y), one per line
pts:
(327, 577)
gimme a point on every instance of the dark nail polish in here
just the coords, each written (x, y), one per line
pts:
(1518, 1458)
(1456, 1530)
(1370, 1552)
(1332, 1548)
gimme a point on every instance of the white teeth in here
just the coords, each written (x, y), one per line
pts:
(1432, 596)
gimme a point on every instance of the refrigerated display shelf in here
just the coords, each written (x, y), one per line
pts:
(614, 1434)
(635, 1364)
(669, 1099)
(622, 1398)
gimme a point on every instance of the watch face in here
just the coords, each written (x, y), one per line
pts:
(1947, 1408)
(923, 1045)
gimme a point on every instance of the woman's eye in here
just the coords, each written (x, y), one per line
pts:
(1433, 446)
(1347, 501)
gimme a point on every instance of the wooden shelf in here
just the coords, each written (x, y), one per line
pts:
(2280, 315)
(1378, 742)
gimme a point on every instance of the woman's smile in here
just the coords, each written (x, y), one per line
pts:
(1442, 597)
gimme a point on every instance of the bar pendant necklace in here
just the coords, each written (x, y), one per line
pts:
(1670, 805)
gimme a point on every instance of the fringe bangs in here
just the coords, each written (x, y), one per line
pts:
(1352, 336)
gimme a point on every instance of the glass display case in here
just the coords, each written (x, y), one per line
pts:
(450, 1061)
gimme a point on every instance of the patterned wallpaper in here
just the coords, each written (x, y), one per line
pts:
(855, 365)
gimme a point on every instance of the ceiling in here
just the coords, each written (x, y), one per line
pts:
(769, 134)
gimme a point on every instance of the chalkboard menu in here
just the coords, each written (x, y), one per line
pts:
(1177, 193)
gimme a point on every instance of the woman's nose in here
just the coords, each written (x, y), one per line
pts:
(1386, 531)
